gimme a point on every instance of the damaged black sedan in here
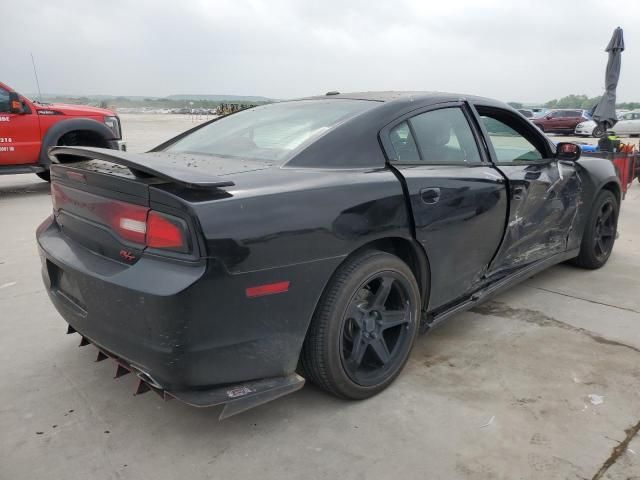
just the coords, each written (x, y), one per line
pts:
(311, 239)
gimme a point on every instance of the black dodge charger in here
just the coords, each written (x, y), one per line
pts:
(311, 239)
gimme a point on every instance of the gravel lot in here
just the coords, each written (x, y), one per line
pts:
(541, 383)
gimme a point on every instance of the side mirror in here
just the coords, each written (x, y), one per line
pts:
(568, 152)
(15, 104)
(548, 117)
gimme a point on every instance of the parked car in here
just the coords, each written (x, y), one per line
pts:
(561, 121)
(539, 111)
(527, 113)
(628, 124)
(589, 128)
(28, 129)
(316, 236)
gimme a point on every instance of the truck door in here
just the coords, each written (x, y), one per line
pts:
(544, 193)
(19, 133)
(457, 198)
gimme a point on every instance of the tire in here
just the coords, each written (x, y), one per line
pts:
(46, 175)
(598, 132)
(600, 232)
(364, 326)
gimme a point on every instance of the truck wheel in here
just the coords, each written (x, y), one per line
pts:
(364, 326)
(46, 175)
(600, 233)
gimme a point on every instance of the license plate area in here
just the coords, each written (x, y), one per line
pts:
(65, 286)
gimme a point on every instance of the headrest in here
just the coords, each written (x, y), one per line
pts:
(435, 132)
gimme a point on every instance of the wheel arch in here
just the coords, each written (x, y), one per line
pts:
(408, 250)
(614, 188)
(57, 131)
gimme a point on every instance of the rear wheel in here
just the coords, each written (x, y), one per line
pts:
(600, 232)
(364, 327)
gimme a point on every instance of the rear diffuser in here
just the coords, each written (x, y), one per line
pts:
(235, 398)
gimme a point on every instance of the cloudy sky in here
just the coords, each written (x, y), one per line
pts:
(507, 49)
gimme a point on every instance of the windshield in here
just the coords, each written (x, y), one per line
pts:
(270, 132)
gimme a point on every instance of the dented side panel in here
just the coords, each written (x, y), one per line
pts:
(544, 200)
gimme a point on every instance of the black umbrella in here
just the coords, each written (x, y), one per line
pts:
(605, 112)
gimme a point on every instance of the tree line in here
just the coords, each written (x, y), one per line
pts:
(579, 101)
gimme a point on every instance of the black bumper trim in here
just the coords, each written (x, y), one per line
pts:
(236, 398)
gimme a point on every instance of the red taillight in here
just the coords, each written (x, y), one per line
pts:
(165, 232)
(132, 223)
(129, 221)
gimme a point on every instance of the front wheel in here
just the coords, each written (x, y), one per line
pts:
(364, 326)
(45, 175)
(600, 232)
(598, 132)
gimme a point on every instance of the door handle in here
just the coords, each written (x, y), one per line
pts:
(430, 195)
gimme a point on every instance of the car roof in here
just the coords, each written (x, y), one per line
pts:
(424, 97)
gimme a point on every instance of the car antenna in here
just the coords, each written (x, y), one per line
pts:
(35, 72)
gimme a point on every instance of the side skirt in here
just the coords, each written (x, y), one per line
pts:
(483, 294)
(15, 169)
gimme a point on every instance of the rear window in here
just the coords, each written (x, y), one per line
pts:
(271, 132)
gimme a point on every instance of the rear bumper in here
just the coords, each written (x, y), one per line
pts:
(187, 327)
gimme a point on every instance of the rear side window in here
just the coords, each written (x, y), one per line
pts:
(4, 101)
(438, 137)
(271, 132)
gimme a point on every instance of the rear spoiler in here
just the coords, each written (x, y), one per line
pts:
(149, 164)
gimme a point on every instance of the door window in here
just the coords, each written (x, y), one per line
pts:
(510, 145)
(438, 137)
(4, 101)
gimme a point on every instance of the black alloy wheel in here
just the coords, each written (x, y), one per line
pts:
(376, 328)
(364, 326)
(600, 232)
(605, 230)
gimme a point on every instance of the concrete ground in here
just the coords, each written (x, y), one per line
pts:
(543, 382)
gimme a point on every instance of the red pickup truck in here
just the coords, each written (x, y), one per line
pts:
(28, 129)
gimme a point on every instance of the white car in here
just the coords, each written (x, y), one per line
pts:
(589, 128)
(628, 124)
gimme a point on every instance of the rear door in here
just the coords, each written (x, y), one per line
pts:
(573, 118)
(543, 193)
(19, 134)
(458, 200)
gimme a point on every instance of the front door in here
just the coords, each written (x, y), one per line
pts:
(19, 134)
(457, 198)
(624, 125)
(543, 192)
